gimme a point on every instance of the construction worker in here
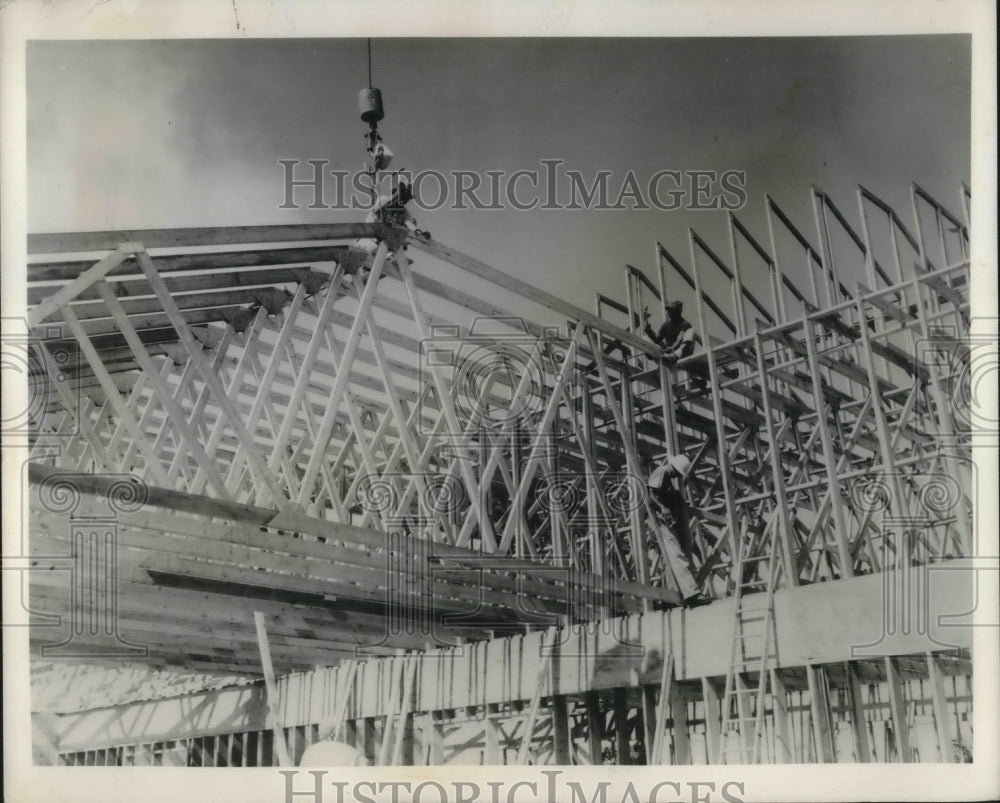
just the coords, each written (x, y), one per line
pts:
(677, 338)
(665, 486)
(389, 209)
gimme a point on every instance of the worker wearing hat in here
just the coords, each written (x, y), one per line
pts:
(665, 486)
(677, 339)
(389, 209)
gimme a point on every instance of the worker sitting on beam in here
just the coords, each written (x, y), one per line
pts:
(677, 338)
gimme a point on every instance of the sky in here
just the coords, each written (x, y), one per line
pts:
(163, 134)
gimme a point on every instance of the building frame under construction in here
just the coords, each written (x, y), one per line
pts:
(281, 494)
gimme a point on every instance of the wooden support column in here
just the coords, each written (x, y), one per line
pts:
(713, 720)
(679, 726)
(784, 744)
(560, 729)
(492, 735)
(595, 727)
(819, 706)
(859, 725)
(897, 708)
(620, 700)
(649, 720)
(433, 739)
(942, 722)
(273, 708)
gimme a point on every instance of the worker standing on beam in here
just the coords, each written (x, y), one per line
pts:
(666, 490)
(677, 338)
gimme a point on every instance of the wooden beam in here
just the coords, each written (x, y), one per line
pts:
(942, 722)
(559, 711)
(484, 271)
(859, 724)
(64, 243)
(273, 706)
(819, 707)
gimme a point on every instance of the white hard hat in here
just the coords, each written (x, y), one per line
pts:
(330, 754)
(679, 464)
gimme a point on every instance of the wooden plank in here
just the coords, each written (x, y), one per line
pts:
(487, 273)
(649, 721)
(620, 702)
(559, 711)
(897, 708)
(859, 724)
(493, 754)
(392, 694)
(595, 727)
(274, 711)
(402, 749)
(239, 263)
(819, 707)
(541, 682)
(713, 720)
(942, 722)
(679, 727)
(784, 742)
(64, 243)
(655, 752)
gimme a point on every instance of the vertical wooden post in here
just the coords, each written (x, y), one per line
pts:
(433, 740)
(494, 754)
(274, 714)
(784, 745)
(595, 727)
(897, 708)
(649, 720)
(620, 697)
(679, 726)
(713, 720)
(942, 723)
(819, 701)
(560, 729)
(859, 724)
